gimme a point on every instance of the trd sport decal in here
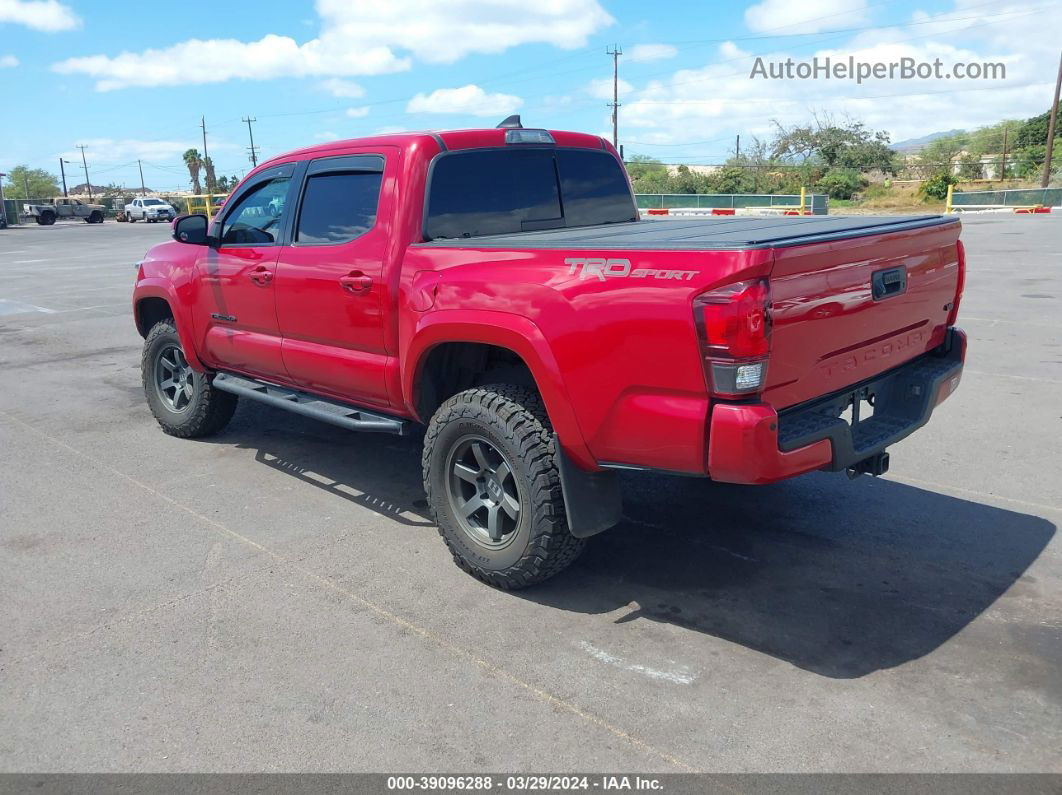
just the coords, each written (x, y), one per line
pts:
(601, 268)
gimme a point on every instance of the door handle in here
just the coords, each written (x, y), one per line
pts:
(356, 282)
(261, 276)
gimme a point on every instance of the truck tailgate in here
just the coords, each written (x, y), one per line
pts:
(846, 310)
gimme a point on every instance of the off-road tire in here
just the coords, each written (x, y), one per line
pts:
(514, 421)
(209, 409)
(46, 219)
(95, 217)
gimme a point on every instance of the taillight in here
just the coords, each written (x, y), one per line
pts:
(953, 313)
(735, 334)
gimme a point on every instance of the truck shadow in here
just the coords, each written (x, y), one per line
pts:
(835, 577)
(838, 578)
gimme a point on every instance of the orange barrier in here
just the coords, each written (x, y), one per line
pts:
(1031, 210)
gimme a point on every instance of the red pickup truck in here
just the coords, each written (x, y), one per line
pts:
(498, 286)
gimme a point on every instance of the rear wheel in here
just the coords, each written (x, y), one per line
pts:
(183, 401)
(96, 217)
(492, 483)
(46, 218)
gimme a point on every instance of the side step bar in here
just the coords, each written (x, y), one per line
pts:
(354, 419)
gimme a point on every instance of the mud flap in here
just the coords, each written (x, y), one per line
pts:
(591, 499)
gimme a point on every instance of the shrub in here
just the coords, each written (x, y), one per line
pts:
(936, 187)
(841, 183)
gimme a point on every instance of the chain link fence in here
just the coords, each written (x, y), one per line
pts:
(817, 203)
(1030, 197)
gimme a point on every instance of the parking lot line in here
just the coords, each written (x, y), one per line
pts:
(403, 623)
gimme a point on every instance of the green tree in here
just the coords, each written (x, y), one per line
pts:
(1033, 132)
(42, 185)
(970, 167)
(194, 161)
(211, 179)
(846, 144)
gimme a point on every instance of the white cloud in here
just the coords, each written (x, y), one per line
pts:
(109, 150)
(8, 61)
(640, 53)
(357, 113)
(355, 39)
(343, 88)
(787, 16)
(468, 100)
(49, 16)
(719, 100)
(602, 87)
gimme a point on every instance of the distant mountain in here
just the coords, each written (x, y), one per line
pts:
(914, 144)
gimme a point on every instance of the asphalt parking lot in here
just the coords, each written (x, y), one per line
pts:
(275, 598)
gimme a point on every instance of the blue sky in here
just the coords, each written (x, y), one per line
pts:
(131, 81)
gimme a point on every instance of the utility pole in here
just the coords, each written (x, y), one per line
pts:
(63, 172)
(3, 207)
(737, 148)
(25, 183)
(615, 52)
(209, 187)
(1003, 166)
(252, 149)
(84, 165)
(143, 189)
(1051, 128)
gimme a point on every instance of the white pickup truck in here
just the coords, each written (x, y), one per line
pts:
(62, 207)
(150, 210)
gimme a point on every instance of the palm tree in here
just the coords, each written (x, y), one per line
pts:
(211, 180)
(194, 161)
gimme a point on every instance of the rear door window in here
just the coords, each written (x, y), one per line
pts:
(337, 208)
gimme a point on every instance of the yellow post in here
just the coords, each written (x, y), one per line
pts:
(802, 200)
(947, 206)
(209, 207)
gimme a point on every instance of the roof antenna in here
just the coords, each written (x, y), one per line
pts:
(511, 123)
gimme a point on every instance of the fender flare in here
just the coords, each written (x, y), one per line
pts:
(504, 330)
(159, 288)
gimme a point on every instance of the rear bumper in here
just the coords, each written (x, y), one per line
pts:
(752, 443)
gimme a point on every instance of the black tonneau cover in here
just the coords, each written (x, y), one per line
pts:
(718, 232)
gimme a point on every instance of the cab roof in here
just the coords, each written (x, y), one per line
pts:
(447, 140)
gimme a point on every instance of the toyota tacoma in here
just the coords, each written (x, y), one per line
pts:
(498, 289)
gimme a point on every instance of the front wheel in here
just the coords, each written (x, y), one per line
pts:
(492, 483)
(184, 401)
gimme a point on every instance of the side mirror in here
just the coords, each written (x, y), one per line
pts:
(191, 229)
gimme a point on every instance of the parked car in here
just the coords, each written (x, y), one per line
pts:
(62, 207)
(150, 210)
(498, 287)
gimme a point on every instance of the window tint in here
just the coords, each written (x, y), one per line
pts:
(489, 192)
(594, 188)
(256, 218)
(338, 207)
